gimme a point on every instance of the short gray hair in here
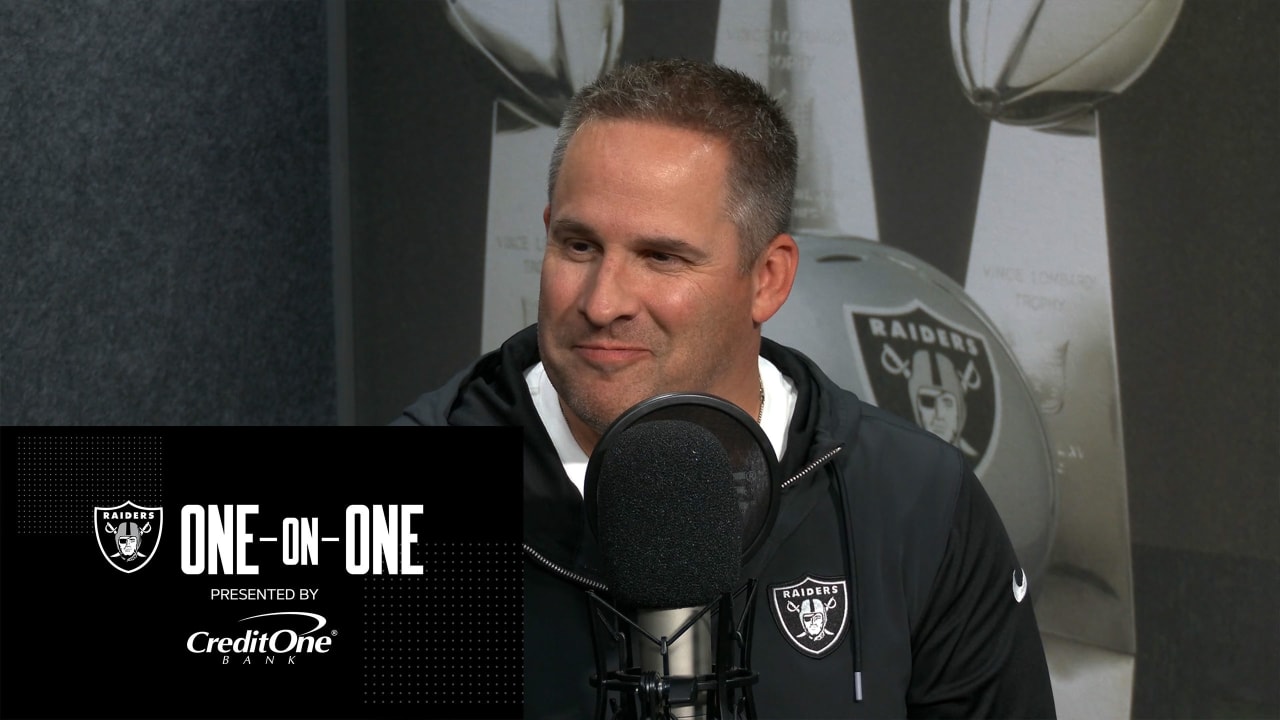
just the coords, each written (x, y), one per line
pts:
(716, 100)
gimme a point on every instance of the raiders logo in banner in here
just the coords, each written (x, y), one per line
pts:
(128, 534)
(921, 365)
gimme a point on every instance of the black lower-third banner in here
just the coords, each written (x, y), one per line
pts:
(261, 573)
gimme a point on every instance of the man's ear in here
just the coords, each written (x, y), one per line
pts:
(546, 218)
(774, 273)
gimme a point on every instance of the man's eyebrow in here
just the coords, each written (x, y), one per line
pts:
(671, 246)
(573, 227)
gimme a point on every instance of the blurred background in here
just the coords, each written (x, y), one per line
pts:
(285, 212)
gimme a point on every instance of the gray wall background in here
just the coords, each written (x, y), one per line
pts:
(165, 244)
(171, 209)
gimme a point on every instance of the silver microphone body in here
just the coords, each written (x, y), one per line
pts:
(689, 655)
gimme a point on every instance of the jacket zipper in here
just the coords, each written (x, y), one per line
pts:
(812, 466)
(566, 574)
(597, 585)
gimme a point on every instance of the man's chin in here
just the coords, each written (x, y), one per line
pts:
(599, 416)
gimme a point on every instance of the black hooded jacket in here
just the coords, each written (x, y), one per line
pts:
(893, 535)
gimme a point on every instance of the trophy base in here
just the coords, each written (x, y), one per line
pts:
(1089, 681)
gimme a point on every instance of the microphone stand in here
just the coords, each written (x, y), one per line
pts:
(646, 693)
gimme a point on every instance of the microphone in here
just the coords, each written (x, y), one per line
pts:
(673, 506)
(667, 516)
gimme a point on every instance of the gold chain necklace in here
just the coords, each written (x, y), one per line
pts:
(760, 413)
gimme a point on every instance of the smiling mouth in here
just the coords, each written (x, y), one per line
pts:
(608, 356)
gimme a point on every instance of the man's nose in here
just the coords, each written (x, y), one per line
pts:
(611, 293)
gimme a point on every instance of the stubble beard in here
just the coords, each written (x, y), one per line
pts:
(572, 400)
(597, 409)
(595, 404)
(596, 419)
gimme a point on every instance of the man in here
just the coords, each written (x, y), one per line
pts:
(670, 190)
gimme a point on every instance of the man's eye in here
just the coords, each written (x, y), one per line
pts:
(577, 246)
(663, 258)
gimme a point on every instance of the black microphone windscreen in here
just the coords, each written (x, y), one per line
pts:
(670, 525)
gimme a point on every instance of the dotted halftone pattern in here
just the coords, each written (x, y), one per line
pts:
(60, 480)
(453, 635)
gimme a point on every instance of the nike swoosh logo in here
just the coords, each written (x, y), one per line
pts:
(1019, 590)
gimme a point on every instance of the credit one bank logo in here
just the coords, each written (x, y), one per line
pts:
(276, 636)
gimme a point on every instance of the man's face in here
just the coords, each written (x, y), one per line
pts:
(940, 412)
(128, 545)
(641, 291)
